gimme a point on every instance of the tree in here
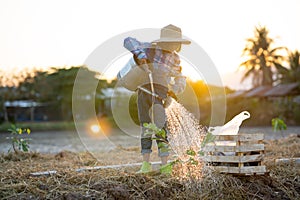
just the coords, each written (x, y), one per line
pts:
(62, 83)
(261, 58)
(290, 74)
(56, 87)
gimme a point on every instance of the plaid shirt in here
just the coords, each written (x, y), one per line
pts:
(166, 65)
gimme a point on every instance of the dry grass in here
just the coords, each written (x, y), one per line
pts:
(282, 182)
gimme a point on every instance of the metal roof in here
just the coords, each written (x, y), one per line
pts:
(236, 94)
(258, 91)
(268, 91)
(282, 90)
(23, 103)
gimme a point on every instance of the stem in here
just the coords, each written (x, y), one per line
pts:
(14, 148)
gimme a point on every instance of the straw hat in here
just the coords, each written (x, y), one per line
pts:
(171, 33)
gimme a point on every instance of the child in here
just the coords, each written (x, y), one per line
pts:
(161, 60)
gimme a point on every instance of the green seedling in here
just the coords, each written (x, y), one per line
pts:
(278, 125)
(18, 143)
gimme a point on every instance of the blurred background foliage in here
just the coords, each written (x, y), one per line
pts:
(264, 64)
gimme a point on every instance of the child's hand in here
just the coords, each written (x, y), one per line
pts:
(142, 61)
(177, 68)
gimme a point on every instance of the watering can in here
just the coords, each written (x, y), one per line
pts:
(131, 76)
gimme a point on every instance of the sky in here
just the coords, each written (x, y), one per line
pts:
(47, 33)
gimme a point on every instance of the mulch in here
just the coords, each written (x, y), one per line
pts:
(281, 182)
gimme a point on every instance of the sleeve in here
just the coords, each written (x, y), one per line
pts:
(136, 47)
(178, 83)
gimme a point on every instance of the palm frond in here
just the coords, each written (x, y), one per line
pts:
(247, 74)
(277, 49)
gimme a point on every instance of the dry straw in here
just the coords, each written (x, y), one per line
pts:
(282, 182)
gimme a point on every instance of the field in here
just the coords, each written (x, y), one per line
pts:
(281, 182)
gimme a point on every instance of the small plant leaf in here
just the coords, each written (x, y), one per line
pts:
(193, 161)
(208, 138)
(278, 124)
(18, 143)
(191, 152)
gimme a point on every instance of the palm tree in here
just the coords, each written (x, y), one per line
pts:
(261, 58)
(291, 74)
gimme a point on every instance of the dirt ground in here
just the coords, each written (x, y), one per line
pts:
(281, 182)
(81, 141)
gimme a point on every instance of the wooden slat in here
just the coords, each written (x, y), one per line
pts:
(213, 148)
(234, 159)
(244, 148)
(288, 160)
(251, 137)
(252, 147)
(238, 146)
(227, 159)
(226, 138)
(252, 158)
(240, 137)
(241, 170)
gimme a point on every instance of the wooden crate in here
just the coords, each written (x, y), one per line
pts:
(236, 154)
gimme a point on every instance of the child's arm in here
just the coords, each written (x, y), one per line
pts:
(136, 47)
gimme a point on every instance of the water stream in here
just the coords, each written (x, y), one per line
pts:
(185, 132)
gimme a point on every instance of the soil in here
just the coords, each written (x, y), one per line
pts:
(16, 182)
(56, 141)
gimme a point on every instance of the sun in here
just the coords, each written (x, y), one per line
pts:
(95, 128)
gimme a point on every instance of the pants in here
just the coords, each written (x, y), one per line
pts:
(145, 104)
